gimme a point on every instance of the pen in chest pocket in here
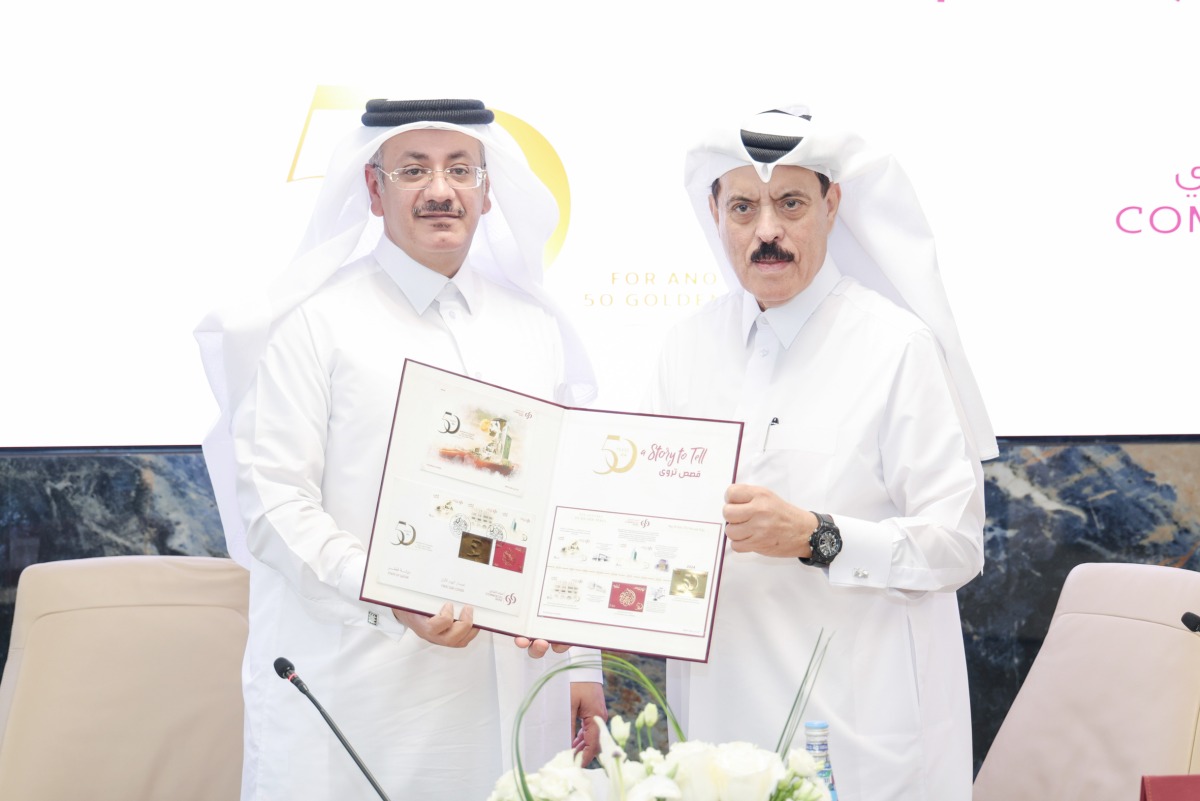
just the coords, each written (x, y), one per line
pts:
(767, 436)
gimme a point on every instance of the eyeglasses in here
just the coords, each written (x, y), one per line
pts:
(458, 176)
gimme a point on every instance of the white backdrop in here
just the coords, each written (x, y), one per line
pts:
(147, 148)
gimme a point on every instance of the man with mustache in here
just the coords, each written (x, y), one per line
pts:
(406, 255)
(858, 507)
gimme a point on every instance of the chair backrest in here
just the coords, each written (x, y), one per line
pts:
(123, 681)
(1114, 693)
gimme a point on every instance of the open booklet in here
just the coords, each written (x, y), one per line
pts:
(576, 526)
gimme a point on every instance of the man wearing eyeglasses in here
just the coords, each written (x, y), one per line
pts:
(430, 212)
(452, 222)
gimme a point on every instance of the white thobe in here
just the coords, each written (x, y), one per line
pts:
(849, 411)
(310, 439)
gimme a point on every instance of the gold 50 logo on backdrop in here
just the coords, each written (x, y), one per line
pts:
(334, 110)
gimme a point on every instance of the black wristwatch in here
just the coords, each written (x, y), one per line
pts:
(826, 542)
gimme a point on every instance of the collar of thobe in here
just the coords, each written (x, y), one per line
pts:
(420, 284)
(787, 320)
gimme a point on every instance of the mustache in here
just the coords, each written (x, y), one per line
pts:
(770, 251)
(438, 207)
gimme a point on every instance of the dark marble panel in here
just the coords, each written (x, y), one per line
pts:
(101, 502)
(1051, 505)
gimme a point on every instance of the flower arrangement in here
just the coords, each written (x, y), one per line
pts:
(689, 771)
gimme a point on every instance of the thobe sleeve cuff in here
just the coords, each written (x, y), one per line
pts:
(372, 615)
(866, 557)
(579, 655)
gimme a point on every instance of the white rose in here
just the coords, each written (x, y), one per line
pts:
(690, 765)
(801, 762)
(653, 759)
(550, 787)
(745, 772)
(562, 778)
(654, 787)
(633, 773)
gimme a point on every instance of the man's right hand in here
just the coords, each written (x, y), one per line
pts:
(759, 521)
(442, 628)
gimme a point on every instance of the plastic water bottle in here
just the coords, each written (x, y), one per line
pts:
(816, 742)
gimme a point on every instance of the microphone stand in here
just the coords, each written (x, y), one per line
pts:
(286, 671)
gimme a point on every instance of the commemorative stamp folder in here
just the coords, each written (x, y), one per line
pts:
(581, 526)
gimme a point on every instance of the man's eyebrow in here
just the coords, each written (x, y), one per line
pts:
(416, 155)
(794, 192)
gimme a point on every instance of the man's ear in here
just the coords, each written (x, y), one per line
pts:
(833, 199)
(716, 212)
(374, 188)
(487, 195)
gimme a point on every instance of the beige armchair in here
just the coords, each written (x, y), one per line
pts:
(123, 681)
(1114, 693)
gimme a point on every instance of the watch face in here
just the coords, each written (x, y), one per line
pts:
(828, 544)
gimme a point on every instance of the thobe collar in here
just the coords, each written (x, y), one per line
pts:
(420, 284)
(788, 319)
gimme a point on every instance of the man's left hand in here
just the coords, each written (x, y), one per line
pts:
(757, 520)
(587, 703)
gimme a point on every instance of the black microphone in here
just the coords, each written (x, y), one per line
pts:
(1191, 620)
(286, 670)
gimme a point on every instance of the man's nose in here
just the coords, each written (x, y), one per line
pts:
(438, 187)
(767, 227)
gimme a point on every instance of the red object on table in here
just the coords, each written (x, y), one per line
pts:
(1171, 788)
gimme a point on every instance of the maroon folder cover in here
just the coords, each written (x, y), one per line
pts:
(1170, 788)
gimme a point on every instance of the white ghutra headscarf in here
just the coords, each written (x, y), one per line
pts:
(881, 237)
(507, 248)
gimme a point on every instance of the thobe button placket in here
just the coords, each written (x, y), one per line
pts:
(451, 307)
(449, 304)
(757, 381)
(766, 341)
